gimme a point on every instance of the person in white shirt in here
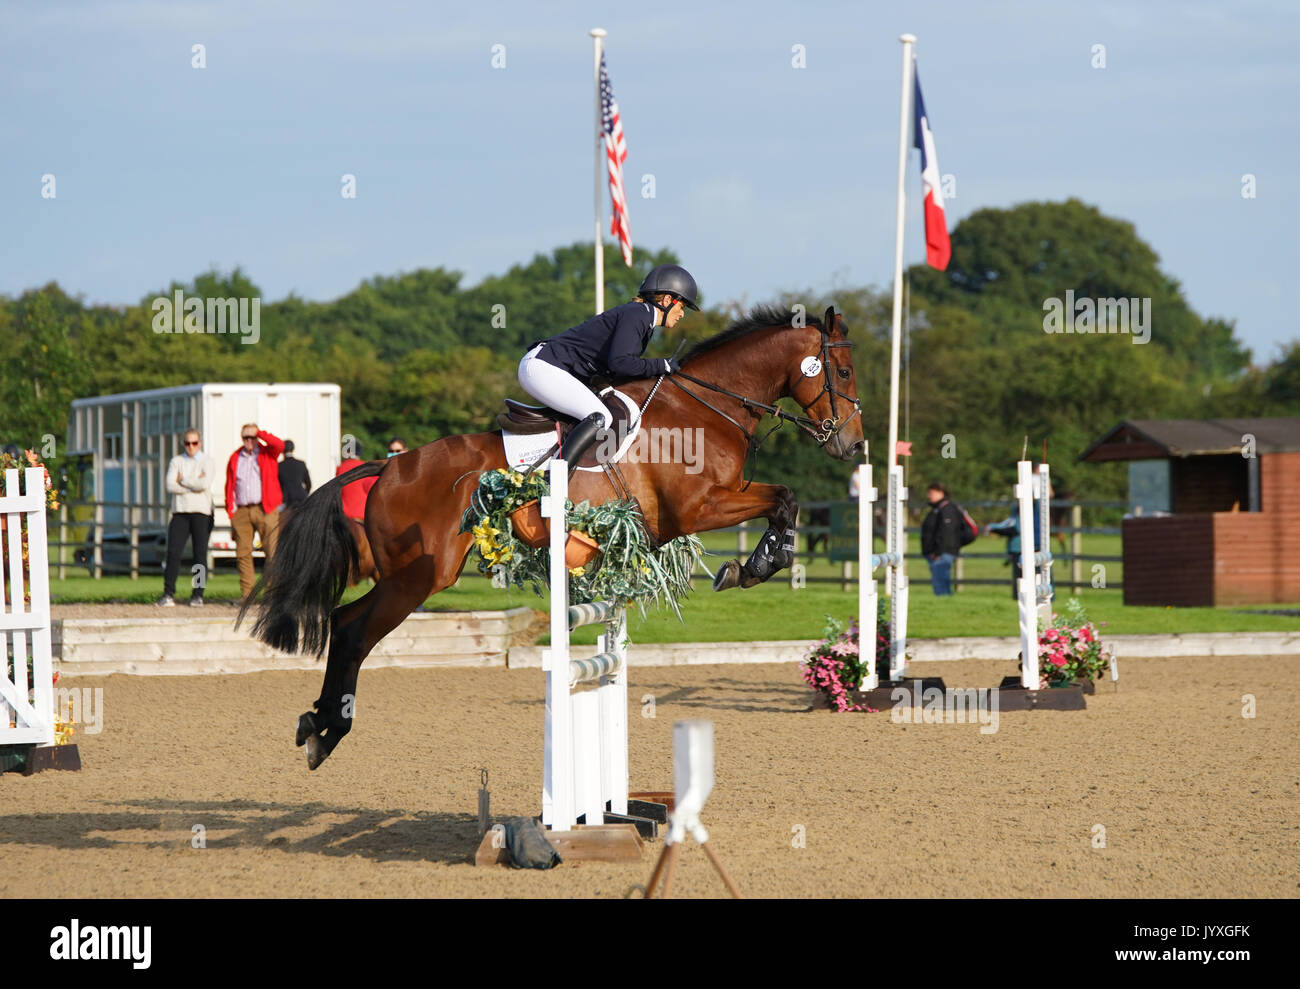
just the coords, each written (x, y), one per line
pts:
(190, 476)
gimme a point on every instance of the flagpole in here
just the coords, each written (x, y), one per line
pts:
(895, 524)
(597, 33)
(908, 41)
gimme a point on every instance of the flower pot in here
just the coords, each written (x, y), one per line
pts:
(1061, 683)
(579, 550)
(529, 526)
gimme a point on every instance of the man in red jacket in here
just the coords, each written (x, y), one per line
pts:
(253, 497)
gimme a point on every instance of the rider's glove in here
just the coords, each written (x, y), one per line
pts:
(671, 366)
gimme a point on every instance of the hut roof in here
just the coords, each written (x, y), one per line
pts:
(1159, 439)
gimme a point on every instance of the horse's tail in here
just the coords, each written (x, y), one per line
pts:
(304, 580)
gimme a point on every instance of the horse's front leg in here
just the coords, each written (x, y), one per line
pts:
(724, 507)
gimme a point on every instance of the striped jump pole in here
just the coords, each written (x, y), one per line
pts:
(585, 748)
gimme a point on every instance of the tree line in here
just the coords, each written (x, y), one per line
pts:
(420, 355)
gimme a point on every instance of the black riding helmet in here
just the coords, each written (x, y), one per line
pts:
(672, 279)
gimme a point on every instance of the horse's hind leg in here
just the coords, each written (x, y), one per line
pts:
(354, 631)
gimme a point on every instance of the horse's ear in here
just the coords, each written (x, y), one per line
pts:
(828, 320)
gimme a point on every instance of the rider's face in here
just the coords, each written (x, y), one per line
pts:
(675, 313)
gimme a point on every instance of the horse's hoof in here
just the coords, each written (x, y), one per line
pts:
(317, 751)
(750, 581)
(306, 728)
(728, 576)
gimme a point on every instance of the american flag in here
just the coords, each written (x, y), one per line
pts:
(616, 154)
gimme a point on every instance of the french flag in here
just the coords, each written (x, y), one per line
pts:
(937, 248)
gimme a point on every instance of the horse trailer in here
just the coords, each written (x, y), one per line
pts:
(124, 443)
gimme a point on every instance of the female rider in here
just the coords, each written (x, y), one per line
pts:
(558, 371)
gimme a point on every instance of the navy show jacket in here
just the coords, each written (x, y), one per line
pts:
(609, 344)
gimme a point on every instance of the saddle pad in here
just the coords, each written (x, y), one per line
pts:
(524, 449)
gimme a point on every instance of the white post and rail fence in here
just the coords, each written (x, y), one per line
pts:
(27, 687)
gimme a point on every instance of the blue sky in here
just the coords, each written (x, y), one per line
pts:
(767, 177)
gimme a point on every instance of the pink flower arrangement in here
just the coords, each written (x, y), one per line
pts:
(1070, 649)
(834, 666)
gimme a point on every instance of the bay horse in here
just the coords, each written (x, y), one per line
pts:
(726, 385)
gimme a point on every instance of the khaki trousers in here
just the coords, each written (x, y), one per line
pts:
(246, 520)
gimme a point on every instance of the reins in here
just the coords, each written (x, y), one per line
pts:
(820, 431)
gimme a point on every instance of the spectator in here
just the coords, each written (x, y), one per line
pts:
(190, 476)
(295, 481)
(354, 494)
(396, 445)
(941, 538)
(253, 497)
(1009, 528)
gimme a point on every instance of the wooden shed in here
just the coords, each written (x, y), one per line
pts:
(1215, 509)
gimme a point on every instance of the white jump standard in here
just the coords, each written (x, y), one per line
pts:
(1034, 595)
(894, 562)
(585, 761)
(1035, 591)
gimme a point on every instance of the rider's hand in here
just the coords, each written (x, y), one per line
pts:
(671, 366)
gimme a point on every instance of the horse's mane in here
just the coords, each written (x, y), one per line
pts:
(758, 318)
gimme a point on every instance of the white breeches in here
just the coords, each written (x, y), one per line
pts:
(557, 388)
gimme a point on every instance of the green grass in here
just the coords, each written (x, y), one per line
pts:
(776, 611)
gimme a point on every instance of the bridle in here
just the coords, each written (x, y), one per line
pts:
(820, 430)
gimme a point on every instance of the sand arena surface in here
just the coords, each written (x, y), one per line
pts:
(1196, 800)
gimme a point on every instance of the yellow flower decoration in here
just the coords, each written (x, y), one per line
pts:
(577, 571)
(485, 538)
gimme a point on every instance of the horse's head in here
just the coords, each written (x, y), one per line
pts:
(820, 379)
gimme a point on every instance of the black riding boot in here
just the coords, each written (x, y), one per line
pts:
(580, 439)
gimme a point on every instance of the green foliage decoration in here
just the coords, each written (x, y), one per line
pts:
(626, 570)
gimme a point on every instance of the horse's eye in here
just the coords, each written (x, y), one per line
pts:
(845, 372)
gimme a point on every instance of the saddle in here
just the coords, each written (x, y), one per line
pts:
(536, 419)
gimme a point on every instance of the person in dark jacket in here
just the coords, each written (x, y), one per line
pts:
(941, 538)
(558, 371)
(295, 481)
